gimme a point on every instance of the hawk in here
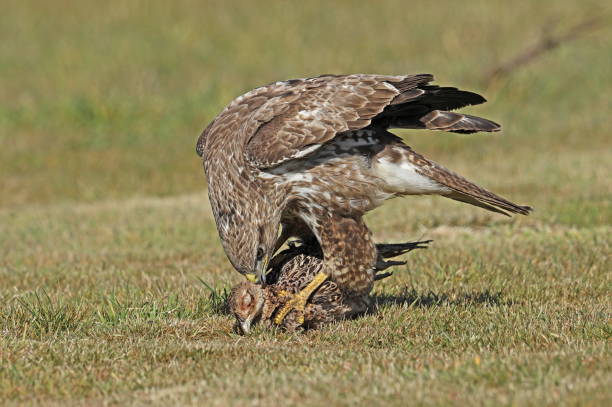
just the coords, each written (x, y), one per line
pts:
(291, 271)
(307, 158)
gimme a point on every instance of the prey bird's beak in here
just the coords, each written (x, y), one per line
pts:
(261, 272)
(242, 327)
(251, 277)
(245, 326)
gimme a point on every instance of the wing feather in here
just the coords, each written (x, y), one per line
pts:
(326, 106)
(291, 119)
(464, 190)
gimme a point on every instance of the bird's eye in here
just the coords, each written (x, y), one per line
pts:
(259, 254)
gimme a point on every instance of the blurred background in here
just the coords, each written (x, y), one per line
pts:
(104, 100)
(112, 277)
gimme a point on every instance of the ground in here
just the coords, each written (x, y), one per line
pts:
(112, 278)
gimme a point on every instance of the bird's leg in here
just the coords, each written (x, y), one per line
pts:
(349, 256)
(299, 300)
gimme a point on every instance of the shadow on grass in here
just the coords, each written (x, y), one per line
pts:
(412, 298)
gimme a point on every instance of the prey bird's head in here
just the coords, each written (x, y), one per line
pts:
(249, 238)
(246, 303)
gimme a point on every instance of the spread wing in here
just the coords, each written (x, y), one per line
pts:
(291, 119)
(326, 105)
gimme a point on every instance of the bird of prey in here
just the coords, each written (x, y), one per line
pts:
(290, 272)
(314, 155)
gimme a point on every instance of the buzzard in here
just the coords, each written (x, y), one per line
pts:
(290, 272)
(311, 156)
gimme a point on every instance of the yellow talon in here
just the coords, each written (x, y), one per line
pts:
(299, 300)
(284, 293)
(298, 303)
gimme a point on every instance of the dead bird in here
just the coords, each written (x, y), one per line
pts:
(290, 272)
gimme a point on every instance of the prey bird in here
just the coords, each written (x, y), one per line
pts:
(291, 271)
(307, 158)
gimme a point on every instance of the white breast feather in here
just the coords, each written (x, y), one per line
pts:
(403, 178)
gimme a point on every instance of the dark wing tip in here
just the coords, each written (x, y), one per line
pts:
(525, 209)
(471, 98)
(449, 98)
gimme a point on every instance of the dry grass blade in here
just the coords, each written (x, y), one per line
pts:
(112, 276)
(545, 43)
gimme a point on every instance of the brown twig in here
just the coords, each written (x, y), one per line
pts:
(546, 42)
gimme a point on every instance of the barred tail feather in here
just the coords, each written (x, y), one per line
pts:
(446, 121)
(493, 207)
(460, 189)
(457, 123)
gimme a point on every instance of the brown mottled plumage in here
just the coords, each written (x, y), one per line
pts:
(290, 272)
(314, 155)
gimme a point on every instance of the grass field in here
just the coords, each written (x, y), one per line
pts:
(112, 278)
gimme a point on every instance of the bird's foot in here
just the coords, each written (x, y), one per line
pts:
(299, 300)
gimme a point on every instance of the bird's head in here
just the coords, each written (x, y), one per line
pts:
(249, 241)
(246, 303)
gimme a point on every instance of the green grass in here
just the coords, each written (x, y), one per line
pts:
(112, 278)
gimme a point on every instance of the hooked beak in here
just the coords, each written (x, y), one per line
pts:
(261, 272)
